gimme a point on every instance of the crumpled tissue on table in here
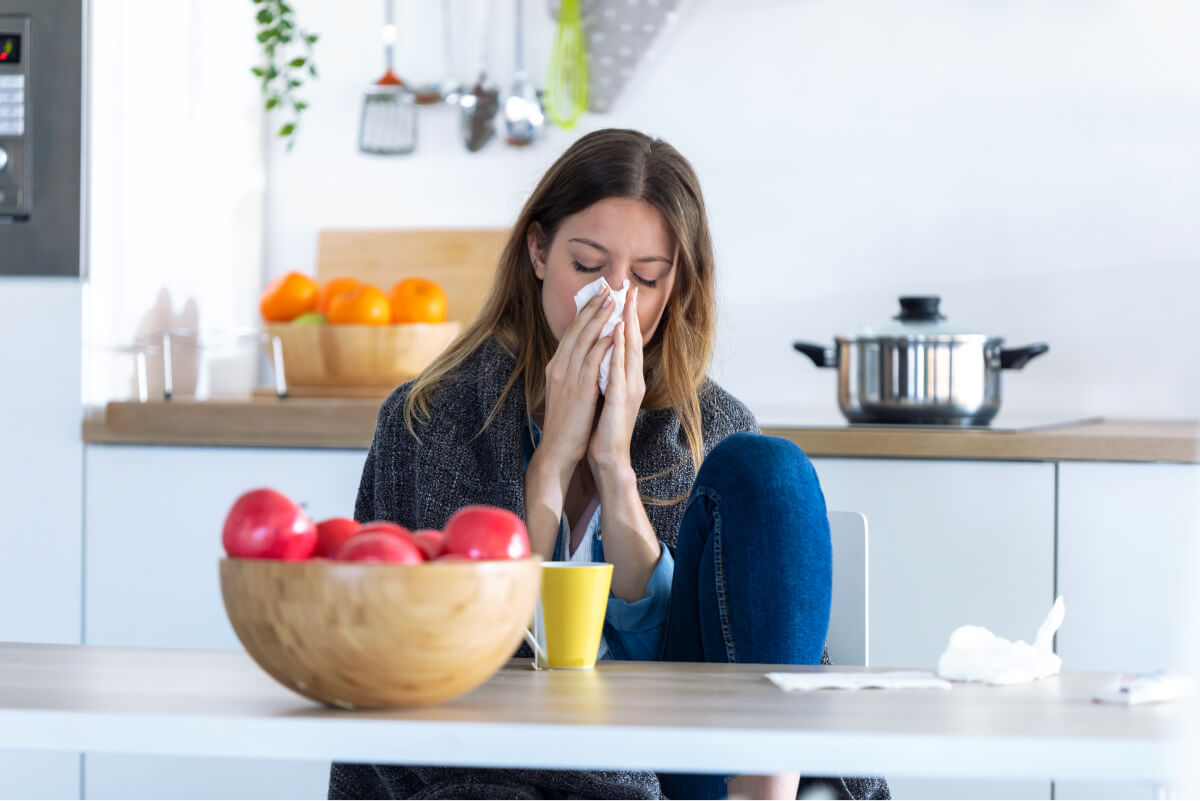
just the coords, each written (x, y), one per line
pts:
(892, 680)
(618, 295)
(976, 654)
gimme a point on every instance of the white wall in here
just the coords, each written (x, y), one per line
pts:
(1033, 162)
(177, 176)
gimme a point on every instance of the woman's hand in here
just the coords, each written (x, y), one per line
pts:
(608, 450)
(572, 389)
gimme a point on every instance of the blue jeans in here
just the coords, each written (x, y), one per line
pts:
(753, 569)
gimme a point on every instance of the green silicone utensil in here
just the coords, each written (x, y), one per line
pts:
(567, 83)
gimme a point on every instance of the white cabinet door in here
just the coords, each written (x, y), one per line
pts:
(951, 543)
(41, 493)
(41, 459)
(39, 774)
(153, 532)
(1128, 539)
(124, 776)
(153, 538)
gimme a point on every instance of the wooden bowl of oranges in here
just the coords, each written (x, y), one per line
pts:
(348, 333)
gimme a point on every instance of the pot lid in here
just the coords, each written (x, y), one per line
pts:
(919, 316)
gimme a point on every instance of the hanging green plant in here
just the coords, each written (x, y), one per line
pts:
(288, 55)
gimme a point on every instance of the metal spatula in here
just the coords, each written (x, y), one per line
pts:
(389, 116)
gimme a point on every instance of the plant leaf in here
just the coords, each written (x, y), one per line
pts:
(293, 83)
(287, 130)
(259, 71)
(264, 16)
(312, 70)
(272, 102)
(297, 62)
(311, 38)
(300, 105)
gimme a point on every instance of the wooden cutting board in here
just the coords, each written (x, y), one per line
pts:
(462, 261)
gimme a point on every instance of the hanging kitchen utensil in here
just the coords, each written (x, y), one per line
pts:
(480, 104)
(567, 81)
(918, 369)
(448, 89)
(620, 37)
(451, 88)
(389, 117)
(523, 117)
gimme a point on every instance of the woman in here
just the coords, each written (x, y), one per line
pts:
(511, 415)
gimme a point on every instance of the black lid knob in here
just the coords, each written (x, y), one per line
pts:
(919, 308)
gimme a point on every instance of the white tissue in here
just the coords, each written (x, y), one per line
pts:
(975, 654)
(892, 680)
(618, 295)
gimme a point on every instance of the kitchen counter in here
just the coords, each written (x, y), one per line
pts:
(350, 422)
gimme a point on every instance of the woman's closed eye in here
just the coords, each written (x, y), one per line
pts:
(585, 269)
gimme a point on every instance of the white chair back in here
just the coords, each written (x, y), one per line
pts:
(847, 639)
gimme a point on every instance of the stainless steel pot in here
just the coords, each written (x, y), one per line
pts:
(919, 370)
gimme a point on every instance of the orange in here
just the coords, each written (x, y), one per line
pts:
(335, 286)
(288, 296)
(365, 305)
(418, 300)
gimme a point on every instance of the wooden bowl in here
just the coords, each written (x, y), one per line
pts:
(378, 636)
(360, 355)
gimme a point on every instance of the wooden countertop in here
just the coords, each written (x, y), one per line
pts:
(622, 715)
(350, 422)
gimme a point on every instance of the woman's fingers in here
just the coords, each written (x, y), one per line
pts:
(591, 366)
(589, 335)
(586, 315)
(616, 369)
(633, 336)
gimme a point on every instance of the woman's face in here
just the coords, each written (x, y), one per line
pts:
(617, 239)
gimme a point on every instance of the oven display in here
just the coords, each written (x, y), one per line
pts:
(10, 48)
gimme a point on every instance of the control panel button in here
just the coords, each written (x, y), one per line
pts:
(12, 81)
(12, 96)
(10, 196)
(11, 112)
(3, 158)
(12, 127)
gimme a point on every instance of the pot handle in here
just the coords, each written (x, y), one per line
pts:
(821, 355)
(1016, 358)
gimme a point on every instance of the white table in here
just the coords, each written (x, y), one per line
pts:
(663, 716)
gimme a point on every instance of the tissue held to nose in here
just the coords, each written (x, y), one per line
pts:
(618, 295)
(976, 654)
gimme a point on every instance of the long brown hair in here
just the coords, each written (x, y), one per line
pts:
(611, 163)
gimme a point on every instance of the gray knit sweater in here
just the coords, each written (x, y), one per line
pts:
(419, 484)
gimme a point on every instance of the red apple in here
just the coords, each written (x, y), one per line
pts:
(486, 532)
(333, 533)
(429, 540)
(378, 546)
(386, 526)
(265, 524)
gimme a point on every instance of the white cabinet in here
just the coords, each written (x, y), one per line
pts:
(41, 460)
(41, 494)
(153, 531)
(125, 776)
(153, 538)
(1128, 548)
(1128, 539)
(39, 774)
(950, 543)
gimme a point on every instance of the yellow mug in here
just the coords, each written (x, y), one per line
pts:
(569, 619)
